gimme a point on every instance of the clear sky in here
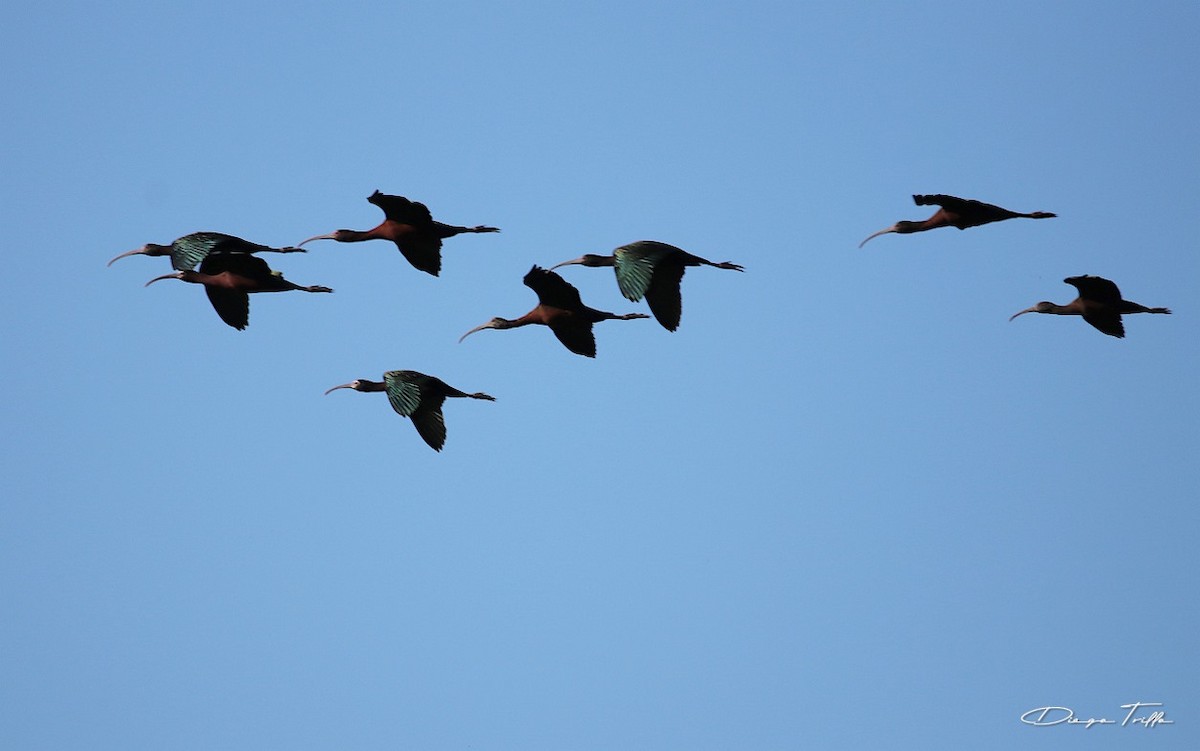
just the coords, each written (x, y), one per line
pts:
(847, 505)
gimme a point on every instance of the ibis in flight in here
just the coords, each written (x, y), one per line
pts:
(228, 278)
(418, 397)
(189, 250)
(560, 308)
(1099, 303)
(956, 212)
(651, 269)
(410, 225)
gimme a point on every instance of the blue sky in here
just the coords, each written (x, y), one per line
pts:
(848, 504)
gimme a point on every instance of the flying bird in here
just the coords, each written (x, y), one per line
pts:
(416, 396)
(651, 269)
(560, 308)
(189, 250)
(410, 225)
(1099, 303)
(956, 212)
(228, 278)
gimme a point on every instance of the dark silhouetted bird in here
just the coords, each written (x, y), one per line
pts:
(956, 212)
(190, 250)
(410, 225)
(560, 308)
(418, 397)
(229, 277)
(651, 269)
(1099, 303)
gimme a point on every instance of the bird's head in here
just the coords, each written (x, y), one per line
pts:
(172, 275)
(495, 323)
(149, 249)
(356, 384)
(587, 259)
(902, 227)
(1042, 307)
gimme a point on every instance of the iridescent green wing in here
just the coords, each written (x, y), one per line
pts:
(420, 398)
(403, 391)
(635, 265)
(190, 250)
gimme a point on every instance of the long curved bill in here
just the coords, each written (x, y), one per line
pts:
(480, 327)
(343, 386)
(328, 236)
(567, 263)
(1032, 309)
(877, 234)
(137, 252)
(174, 275)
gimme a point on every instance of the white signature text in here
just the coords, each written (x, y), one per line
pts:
(1148, 718)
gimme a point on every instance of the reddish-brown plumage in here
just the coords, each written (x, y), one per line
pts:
(411, 227)
(228, 278)
(561, 310)
(956, 212)
(1099, 303)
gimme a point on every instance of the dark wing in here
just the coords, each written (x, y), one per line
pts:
(400, 209)
(635, 265)
(242, 264)
(575, 334)
(663, 296)
(232, 305)
(969, 212)
(1095, 288)
(422, 250)
(952, 203)
(1108, 321)
(431, 425)
(553, 290)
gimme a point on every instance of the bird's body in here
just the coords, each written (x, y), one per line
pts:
(956, 212)
(654, 270)
(1099, 303)
(410, 226)
(228, 278)
(189, 250)
(418, 397)
(562, 310)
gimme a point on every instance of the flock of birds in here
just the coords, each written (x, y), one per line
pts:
(230, 271)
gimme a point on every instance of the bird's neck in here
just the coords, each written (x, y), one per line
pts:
(525, 320)
(365, 385)
(357, 236)
(1063, 310)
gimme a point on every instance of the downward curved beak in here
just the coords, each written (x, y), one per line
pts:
(480, 327)
(877, 234)
(160, 278)
(335, 388)
(139, 251)
(567, 263)
(1023, 312)
(315, 237)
